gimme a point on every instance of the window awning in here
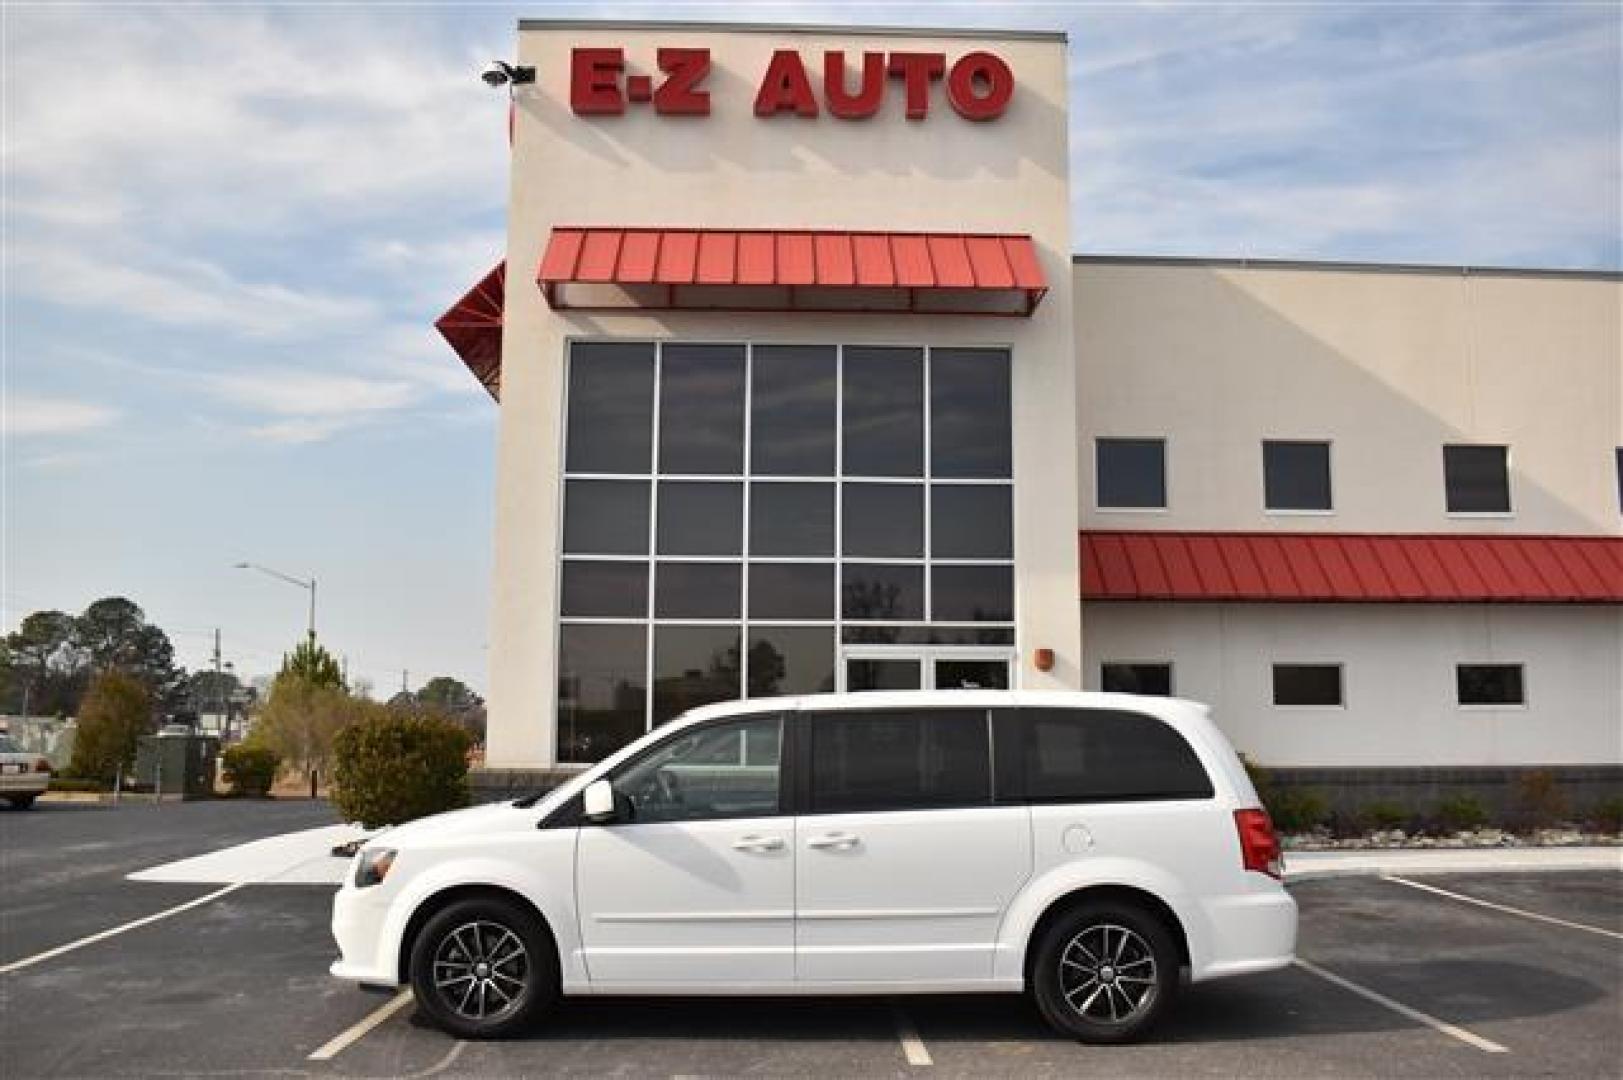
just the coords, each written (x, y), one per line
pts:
(1352, 567)
(792, 270)
(473, 326)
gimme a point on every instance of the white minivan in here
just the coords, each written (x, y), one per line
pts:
(1084, 847)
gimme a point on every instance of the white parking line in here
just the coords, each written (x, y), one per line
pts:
(18, 965)
(355, 1032)
(912, 1046)
(1503, 907)
(1469, 1038)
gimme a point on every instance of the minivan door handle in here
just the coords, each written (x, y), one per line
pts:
(753, 842)
(834, 841)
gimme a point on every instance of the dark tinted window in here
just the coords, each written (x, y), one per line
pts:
(1477, 479)
(883, 521)
(602, 689)
(882, 591)
(926, 635)
(1064, 755)
(1490, 684)
(971, 521)
(792, 404)
(862, 675)
(969, 413)
(791, 660)
(606, 517)
(972, 593)
(905, 760)
(1131, 473)
(615, 589)
(1136, 679)
(1296, 475)
(1307, 684)
(611, 407)
(700, 518)
(701, 409)
(792, 591)
(697, 590)
(791, 519)
(693, 666)
(884, 412)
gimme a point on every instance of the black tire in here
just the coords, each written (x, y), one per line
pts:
(1105, 972)
(21, 802)
(484, 948)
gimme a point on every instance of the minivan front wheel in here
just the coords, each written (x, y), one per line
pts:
(484, 968)
(1105, 972)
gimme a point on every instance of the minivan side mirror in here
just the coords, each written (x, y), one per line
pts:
(597, 801)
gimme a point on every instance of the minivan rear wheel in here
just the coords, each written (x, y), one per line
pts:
(1105, 972)
(484, 968)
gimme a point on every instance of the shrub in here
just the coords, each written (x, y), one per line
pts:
(1539, 799)
(1459, 813)
(74, 783)
(251, 770)
(1350, 824)
(1297, 810)
(1606, 816)
(395, 766)
(1385, 814)
(116, 710)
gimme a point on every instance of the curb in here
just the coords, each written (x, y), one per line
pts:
(1412, 863)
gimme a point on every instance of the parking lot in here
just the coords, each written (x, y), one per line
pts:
(1397, 981)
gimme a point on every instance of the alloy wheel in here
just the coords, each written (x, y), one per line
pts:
(1107, 974)
(481, 970)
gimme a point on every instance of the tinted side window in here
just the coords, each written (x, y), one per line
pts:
(899, 760)
(1093, 755)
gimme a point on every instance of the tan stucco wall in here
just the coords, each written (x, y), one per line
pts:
(1389, 365)
(731, 169)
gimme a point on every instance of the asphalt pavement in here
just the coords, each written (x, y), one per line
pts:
(1404, 982)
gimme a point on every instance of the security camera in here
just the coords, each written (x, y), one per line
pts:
(501, 73)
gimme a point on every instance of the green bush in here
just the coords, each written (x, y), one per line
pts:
(1606, 816)
(74, 783)
(250, 770)
(114, 714)
(395, 766)
(1384, 814)
(1460, 813)
(1539, 800)
(1296, 810)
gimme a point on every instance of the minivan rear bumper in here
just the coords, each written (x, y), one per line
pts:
(1251, 932)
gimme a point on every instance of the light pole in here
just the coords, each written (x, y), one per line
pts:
(291, 580)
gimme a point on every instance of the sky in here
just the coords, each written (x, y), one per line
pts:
(228, 230)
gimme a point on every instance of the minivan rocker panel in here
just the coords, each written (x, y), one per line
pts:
(1085, 847)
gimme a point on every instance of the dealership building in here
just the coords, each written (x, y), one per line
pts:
(802, 389)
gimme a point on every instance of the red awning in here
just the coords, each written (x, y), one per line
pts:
(1368, 568)
(796, 270)
(473, 326)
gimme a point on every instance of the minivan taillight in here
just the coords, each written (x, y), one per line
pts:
(1259, 844)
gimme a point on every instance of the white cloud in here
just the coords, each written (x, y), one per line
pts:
(33, 414)
(303, 394)
(177, 292)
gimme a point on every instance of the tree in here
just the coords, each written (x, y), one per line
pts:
(116, 711)
(451, 695)
(43, 670)
(206, 690)
(113, 635)
(315, 665)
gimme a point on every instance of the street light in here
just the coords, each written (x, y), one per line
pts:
(291, 580)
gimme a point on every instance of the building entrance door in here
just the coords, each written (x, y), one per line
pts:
(924, 667)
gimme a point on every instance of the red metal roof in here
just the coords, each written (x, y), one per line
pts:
(793, 270)
(1369, 568)
(473, 326)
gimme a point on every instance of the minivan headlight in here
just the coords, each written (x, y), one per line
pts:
(372, 866)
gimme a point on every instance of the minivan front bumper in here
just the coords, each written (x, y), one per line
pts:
(358, 920)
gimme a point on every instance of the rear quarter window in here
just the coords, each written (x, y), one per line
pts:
(1093, 755)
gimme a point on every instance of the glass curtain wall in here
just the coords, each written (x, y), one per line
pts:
(733, 513)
